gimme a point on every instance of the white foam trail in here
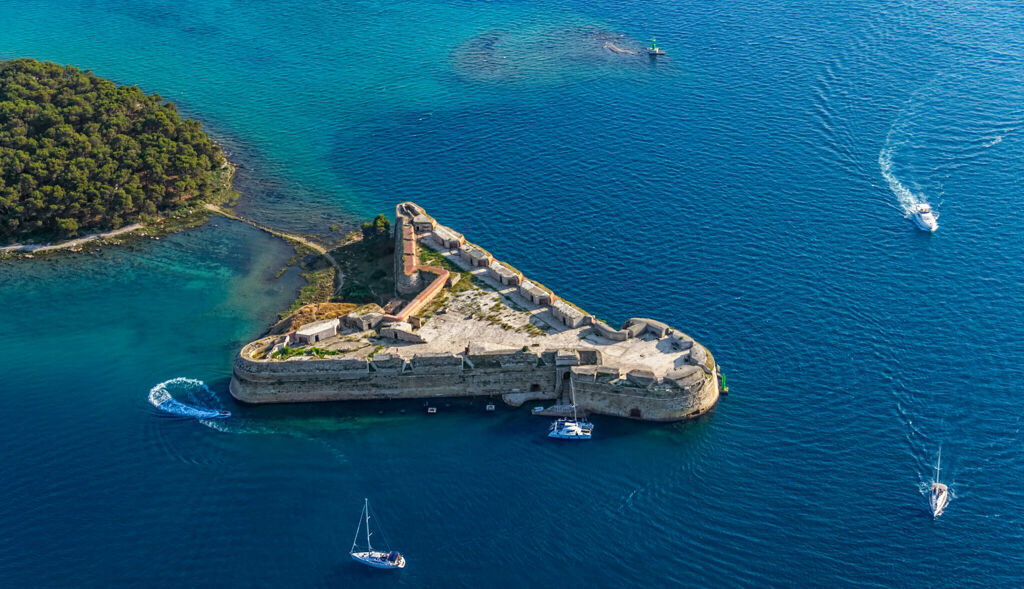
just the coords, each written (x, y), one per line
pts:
(908, 200)
(996, 141)
(253, 427)
(197, 392)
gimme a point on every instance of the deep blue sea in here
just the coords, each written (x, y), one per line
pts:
(750, 188)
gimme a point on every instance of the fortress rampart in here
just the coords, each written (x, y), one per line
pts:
(643, 370)
(517, 377)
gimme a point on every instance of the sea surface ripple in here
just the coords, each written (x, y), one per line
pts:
(749, 188)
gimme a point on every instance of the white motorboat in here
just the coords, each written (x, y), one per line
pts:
(924, 217)
(379, 559)
(571, 429)
(938, 499)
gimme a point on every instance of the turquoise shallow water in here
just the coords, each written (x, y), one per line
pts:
(749, 189)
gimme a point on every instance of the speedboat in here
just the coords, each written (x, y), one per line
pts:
(378, 559)
(571, 429)
(924, 217)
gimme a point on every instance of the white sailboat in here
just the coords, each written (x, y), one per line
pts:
(380, 559)
(938, 499)
(571, 429)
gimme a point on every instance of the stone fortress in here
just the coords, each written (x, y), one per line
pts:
(471, 325)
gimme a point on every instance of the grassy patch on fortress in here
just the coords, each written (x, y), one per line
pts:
(434, 306)
(463, 281)
(531, 329)
(310, 313)
(286, 352)
(319, 288)
(493, 315)
(429, 257)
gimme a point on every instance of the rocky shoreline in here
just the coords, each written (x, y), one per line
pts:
(180, 220)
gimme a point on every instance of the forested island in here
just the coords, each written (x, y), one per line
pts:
(78, 152)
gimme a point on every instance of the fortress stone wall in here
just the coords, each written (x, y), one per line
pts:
(269, 381)
(526, 376)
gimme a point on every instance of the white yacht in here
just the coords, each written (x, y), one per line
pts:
(571, 429)
(379, 559)
(924, 217)
(938, 499)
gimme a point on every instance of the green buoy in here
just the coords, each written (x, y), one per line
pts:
(653, 49)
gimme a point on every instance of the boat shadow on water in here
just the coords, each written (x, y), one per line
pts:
(349, 573)
(676, 432)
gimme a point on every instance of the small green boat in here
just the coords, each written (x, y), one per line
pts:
(653, 49)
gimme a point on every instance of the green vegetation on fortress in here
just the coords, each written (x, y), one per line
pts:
(78, 152)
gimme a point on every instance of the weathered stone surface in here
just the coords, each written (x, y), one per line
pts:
(402, 331)
(606, 374)
(641, 378)
(605, 331)
(698, 355)
(567, 358)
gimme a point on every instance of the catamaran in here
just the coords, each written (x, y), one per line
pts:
(939, 497)
(571, 429)
(380, 559)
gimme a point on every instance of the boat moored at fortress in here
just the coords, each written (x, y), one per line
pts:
(471, 326)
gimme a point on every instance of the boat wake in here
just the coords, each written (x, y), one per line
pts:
(926, 475)
(931, 422)
(996, 141)
(199, 401)
(945, 132)
(909, 201)
(616, 49)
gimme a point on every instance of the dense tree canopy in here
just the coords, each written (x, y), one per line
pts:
(379, 228)
(79, 152)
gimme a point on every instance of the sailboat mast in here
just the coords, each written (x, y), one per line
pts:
(366, 508)
(572, 398)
